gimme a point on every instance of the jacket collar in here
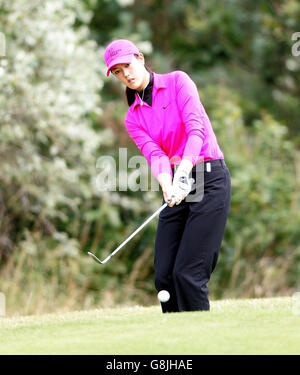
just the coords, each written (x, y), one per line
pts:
(159, 82)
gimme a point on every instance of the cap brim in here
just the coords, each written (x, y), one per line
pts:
(121, 60)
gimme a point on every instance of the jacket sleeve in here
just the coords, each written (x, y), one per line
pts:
(193, 116)
(156, 157)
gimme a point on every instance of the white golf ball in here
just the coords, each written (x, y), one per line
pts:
(163, 296)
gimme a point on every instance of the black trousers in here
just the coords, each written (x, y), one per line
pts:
(189, 237)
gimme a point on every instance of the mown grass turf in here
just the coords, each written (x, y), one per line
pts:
(257, 326)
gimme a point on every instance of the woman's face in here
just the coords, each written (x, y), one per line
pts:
(133, 75)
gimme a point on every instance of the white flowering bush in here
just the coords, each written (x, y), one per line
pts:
(50, 79)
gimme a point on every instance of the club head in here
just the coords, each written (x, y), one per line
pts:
(95, 258)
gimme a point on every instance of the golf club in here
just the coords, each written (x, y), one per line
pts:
(131, 236)
(134, 233)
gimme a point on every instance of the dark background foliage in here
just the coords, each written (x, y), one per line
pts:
(59, 114)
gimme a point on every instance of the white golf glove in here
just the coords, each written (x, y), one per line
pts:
(170, 195)
(182, 185)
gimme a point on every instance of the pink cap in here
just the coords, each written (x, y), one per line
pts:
(119, 51)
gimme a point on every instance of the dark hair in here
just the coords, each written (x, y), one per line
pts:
(130, 94)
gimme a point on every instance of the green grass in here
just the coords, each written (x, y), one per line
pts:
(257, 326)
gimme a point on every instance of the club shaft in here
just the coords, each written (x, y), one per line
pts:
(136, 232)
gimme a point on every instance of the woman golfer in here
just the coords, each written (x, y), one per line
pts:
(169, 125)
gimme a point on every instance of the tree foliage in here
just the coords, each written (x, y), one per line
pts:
(49, 88)
(59, 113)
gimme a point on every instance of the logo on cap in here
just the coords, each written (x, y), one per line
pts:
(113, 52)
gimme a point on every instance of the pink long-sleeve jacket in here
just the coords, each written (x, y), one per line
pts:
(175, 127)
